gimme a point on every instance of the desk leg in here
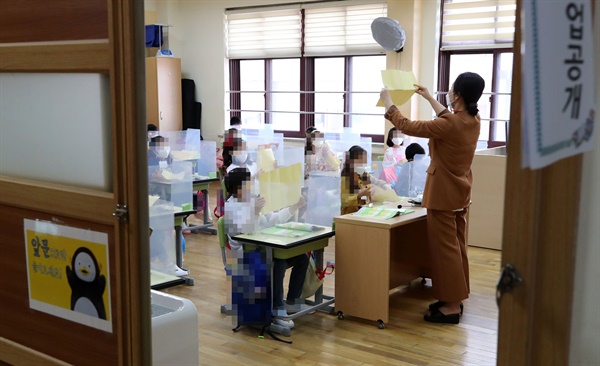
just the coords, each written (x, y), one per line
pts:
(179, 255)
(206, 225)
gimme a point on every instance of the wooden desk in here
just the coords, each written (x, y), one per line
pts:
(373, 256)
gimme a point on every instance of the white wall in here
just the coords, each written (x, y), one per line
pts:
(196, 39)
(585, 327)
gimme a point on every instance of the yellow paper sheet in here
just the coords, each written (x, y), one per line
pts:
(400, 84)
(152, 200)
(281, 187)
(266, 160)
(185, 155)
(379, 194)
(398, 79)
(170, 176)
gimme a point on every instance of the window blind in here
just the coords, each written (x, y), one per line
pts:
(330, 29)
(342, 30)
(264, 34)
(476, 24)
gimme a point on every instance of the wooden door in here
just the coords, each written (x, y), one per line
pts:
(60, 40)
(535, 318)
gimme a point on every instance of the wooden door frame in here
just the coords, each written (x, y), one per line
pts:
(122, 58)
(127, 35)
(535, 318)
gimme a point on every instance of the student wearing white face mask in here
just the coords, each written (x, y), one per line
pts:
(159, 152)
(241, 159)
(393, 156)
(356, 180)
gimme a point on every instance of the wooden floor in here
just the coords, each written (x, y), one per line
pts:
(322, 339)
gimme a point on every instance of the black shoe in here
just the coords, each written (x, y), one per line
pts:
(438, 304)
(438, 317)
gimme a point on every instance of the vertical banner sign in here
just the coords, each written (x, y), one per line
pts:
(558, 81)
(67, 273)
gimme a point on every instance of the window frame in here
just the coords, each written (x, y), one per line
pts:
(306, 88)
(444, 83)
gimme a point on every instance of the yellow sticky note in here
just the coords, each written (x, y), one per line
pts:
(266, 160)
(380, 195)
(400, 84)
(281, 187)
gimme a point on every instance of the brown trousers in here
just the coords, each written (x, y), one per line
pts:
(448, 253)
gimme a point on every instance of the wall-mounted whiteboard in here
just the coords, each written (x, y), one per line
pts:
(56, 128)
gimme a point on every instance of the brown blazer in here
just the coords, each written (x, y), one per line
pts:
(452, 143)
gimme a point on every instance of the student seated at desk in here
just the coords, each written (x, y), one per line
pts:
(356, 180)
(410, 179)
(159, 152)
(238, 183)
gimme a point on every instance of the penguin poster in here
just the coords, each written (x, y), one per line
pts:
(68, 272)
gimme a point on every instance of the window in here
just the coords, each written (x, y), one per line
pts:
(285, 76)
(252, 88)
(477, 36)
(329, 94)
(366, 84)
(327, 75)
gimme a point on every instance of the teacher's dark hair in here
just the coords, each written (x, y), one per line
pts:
(469, 86)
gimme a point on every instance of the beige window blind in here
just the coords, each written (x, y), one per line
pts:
(477, 24)
(269, 33)
(342, 30)
(331, 29)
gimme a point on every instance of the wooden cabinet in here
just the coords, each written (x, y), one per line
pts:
(486, 214)
(163, 93)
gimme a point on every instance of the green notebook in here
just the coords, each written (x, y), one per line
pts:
(381, 213)
(292, 229)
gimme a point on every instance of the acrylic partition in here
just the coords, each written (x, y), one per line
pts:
(339, 147)
(262, 138)
(323, 200)
(173, 184)
(183, 145)
(162, 237)
(292, 155)
(412, 176)
(36, 141)
(207, 164)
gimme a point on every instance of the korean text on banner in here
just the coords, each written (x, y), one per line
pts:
(558, 81)
(68, 273)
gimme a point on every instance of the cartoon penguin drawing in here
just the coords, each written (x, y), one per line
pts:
(87, 284)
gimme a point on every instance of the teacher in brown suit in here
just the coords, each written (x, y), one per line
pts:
(452, 141)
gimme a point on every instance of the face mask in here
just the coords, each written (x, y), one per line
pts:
(318, 143)
(361, 169)
(163, 153)
(241, 157)
(237, 127)
(397, 140)
(449, 103)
